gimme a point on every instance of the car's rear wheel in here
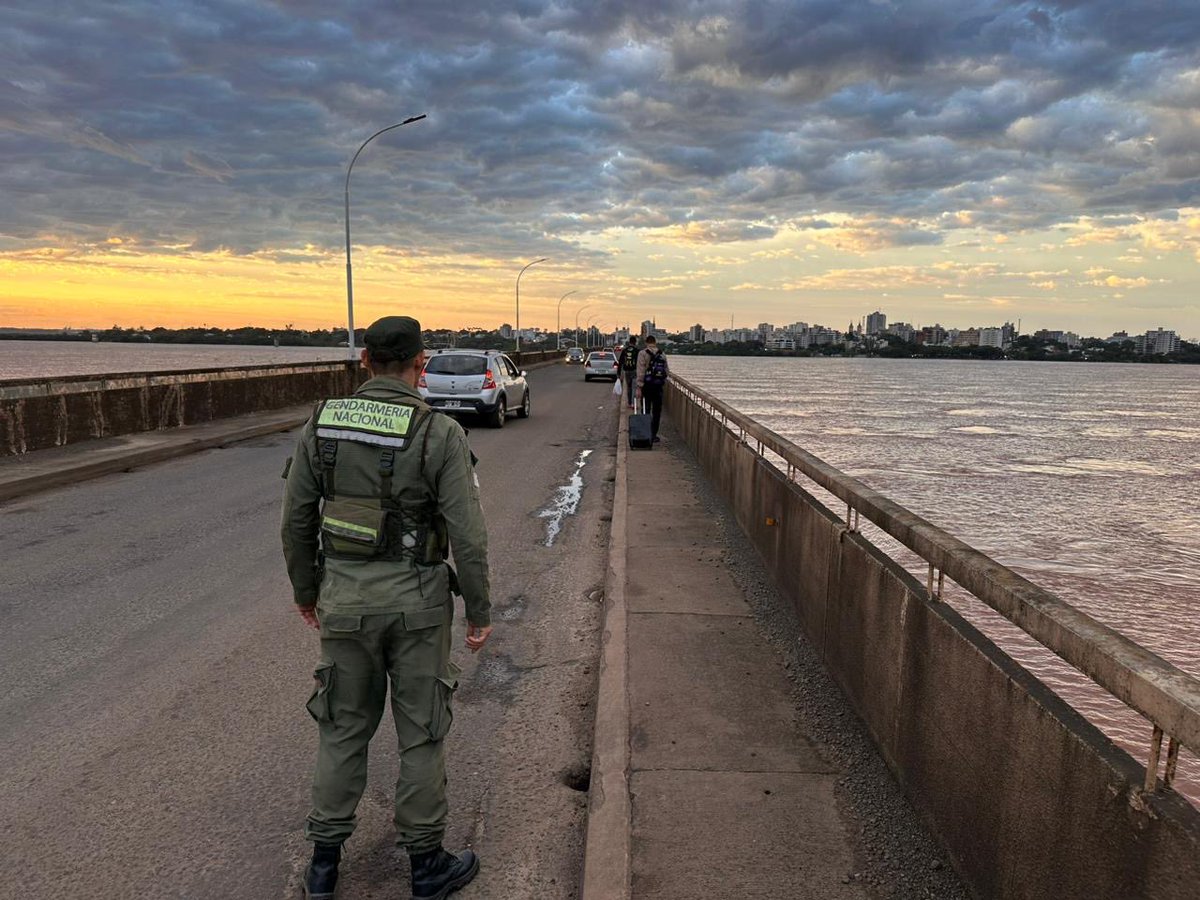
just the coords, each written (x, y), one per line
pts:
(498, 416)
(523, 412)
(587, 377)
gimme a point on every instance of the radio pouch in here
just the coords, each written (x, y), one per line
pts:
(352, 529)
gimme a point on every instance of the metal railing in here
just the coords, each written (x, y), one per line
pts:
(1166, 695)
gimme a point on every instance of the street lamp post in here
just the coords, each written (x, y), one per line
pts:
(558, 321)
(519, 274)
(577, 312)
(591, 320)
(349, 277)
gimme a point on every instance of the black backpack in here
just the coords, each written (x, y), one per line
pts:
(656, 369)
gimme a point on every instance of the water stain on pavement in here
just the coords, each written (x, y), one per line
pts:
(511, 610)
(566, 500)
(496, 676)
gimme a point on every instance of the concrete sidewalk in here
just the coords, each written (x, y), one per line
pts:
(44, 470)
(726, 796)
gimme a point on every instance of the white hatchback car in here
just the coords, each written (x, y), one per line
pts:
(480, 382)
(601, 364)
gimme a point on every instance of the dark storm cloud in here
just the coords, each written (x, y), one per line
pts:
(230, 123)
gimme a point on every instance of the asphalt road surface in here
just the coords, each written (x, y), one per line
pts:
(153, 676)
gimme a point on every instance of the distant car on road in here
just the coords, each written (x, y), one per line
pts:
(482, 382)
(600, 364)
(575, 355)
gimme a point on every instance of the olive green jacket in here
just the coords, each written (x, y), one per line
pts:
(447, 478)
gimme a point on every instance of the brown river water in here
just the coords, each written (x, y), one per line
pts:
(1082, 477)
(35, 359)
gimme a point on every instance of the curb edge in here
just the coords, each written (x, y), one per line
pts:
(607, 855)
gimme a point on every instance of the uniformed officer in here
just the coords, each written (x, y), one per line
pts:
(379, 489)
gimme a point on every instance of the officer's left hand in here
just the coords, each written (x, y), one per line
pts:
(309, 615)
(477, 636)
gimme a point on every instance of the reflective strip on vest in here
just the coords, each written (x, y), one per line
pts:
(376, 440)
(365, 420)
(348, 529)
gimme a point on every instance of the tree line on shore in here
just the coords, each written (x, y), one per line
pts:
(1026, 348)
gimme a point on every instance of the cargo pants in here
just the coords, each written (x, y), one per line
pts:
(361, 658)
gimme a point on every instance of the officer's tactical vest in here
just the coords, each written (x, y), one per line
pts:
(374, 525)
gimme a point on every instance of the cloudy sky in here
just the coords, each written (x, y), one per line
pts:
(967, 162)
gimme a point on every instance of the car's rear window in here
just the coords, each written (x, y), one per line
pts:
(600, 357)
(456, 364)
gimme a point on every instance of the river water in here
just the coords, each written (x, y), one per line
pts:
(34, 359)
(1084, 478)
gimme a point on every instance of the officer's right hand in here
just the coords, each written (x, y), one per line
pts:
(477, 636)
(309, 615)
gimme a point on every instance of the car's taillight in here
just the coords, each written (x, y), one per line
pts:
(421, 381)
(489, 381)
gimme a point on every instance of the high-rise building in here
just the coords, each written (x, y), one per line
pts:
(991, 337)
(876, 323)
(968, 337)
(649, 327)
(506, 331)
(1157, 342)
(696, 334)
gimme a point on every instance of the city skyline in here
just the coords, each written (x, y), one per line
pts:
(983, 161)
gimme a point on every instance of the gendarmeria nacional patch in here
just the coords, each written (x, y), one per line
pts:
(366, 421)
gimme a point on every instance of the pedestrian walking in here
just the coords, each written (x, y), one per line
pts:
(378, 491)
(629, 357)
(652, 375)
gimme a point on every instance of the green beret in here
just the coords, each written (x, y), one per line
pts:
(394, 339)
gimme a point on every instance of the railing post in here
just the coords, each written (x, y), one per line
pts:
(1152, 764)
(1172, 762)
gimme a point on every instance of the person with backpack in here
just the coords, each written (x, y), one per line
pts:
(652, 374)
(629, 363)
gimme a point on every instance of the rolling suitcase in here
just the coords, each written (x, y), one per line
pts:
(640, 436)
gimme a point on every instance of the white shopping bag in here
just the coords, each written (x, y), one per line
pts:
(617, 388)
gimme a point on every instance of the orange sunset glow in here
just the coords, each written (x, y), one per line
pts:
(688, 168)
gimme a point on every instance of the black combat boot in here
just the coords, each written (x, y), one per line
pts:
(320, 878)
(437, 874)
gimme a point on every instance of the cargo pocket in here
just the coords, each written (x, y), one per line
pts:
(338, 624)
(430, 617)
(320, 704)
(442, 716)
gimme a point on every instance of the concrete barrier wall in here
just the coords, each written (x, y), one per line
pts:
(1031, 800)
(36, 414)
(39, 413)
